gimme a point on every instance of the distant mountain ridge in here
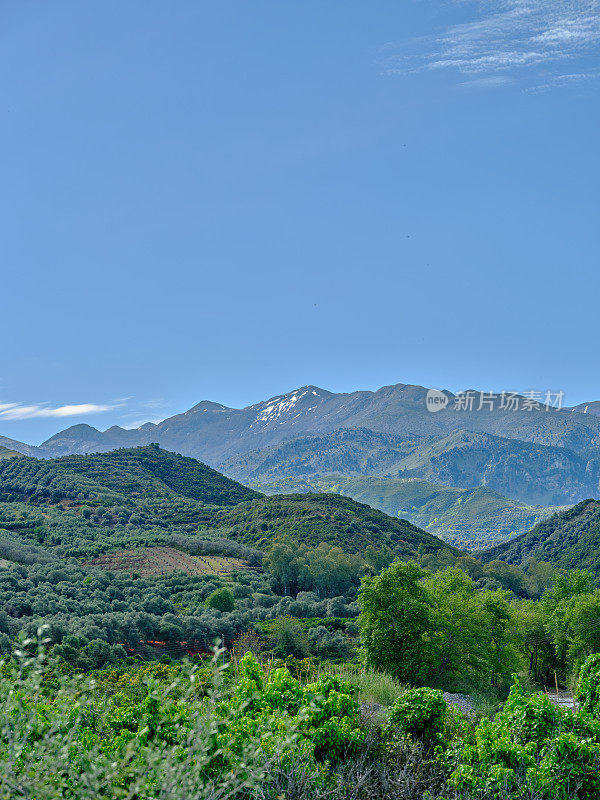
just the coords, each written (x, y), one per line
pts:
(532, 473)
(219, 435)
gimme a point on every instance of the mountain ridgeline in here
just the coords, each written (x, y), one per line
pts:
(536, 455)
(531, 473)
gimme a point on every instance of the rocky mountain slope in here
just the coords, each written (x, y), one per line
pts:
(532, 473)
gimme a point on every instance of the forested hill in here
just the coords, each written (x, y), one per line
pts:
(570, 540)
(331, 518)
(84, 506)
(136, 473)
(470, 519)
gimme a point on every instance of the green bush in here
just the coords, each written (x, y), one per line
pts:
(325, 714)
(420, 713)
(289, 639)
(588, 687)
(570, 767)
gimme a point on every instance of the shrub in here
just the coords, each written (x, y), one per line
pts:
(289, 639)
(324, 714)
(64, 743)
(329, 644)
(571, 766)
(420, 713)
(532, 748)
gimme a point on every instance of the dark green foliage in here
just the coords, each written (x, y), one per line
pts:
(144, 472)
(86, 505)
(437, 630)
(394, 621)
(289, 639)
(467, 518)
(530, 749)
(143, 469)
(329, 644)
(588, 687)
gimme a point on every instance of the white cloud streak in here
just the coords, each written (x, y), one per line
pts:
(19, 411)
(508, 35)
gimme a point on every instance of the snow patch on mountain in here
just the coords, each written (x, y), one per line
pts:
(282, 405)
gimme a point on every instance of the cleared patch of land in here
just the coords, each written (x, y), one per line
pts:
(148, 561)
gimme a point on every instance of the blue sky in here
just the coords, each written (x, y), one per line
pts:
(229, 200)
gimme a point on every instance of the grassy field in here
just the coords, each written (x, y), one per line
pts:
(149, 561)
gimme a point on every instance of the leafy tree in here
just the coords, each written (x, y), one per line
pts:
(221, 599)
(281, 562)
(289, 639)
(395, 621)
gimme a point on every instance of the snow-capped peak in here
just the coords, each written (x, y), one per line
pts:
(284, 404)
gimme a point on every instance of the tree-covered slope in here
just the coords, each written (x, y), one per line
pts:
(570, 540)
(314, 518)
(466, 518)
(136, 473)
(86, 505)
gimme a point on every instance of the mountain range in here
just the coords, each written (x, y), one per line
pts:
(524, 450)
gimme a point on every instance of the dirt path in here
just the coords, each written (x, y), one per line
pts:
(463, 701)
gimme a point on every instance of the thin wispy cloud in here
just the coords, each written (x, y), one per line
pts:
(20, 411)
(508, 36)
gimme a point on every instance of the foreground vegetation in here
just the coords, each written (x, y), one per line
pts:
(200, 731)
(341, 629)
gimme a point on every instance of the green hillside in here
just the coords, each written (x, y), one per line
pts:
(331, 518)
(570, 540)
(467, 518)
(84, 506)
